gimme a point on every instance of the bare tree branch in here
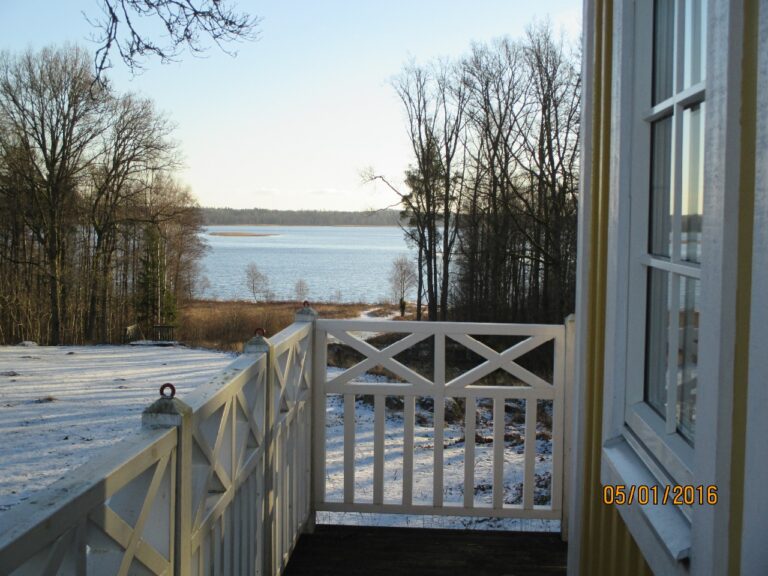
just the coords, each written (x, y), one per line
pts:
(140, 29)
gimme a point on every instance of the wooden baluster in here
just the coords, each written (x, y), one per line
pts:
(408, 423)
(237, 530)
(439, 419)
(469, 452)
(530, 452)
(498, 453)
(378, 449)
(349, 448)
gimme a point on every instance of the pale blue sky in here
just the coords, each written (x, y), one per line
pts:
(292, 120)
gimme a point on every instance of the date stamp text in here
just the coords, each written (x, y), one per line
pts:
(675, 494)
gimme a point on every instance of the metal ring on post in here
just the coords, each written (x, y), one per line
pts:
(165, 387)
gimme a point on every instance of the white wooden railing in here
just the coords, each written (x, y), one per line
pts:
(290, 443)
(109, 515)
(410, 384)
(225, 482)
(222, 519)
(218, 484)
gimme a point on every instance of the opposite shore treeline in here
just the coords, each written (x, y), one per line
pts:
(265, 217)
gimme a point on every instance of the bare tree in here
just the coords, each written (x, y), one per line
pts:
(95, 234)
(136, 142)
(492, 189)
(402, 279)
(257, 281)
(50, 117)
(301, 290)
(435, 100)
(123, 26)
(517, 253)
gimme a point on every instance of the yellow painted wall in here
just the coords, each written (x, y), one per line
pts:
(748, 119)
(607, 546)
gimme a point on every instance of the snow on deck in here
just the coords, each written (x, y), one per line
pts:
(59, 405)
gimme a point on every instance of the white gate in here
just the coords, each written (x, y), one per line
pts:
(410, 384)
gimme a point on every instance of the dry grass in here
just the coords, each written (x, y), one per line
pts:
(226, 325)
(410, 313)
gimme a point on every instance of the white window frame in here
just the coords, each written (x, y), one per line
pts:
(657, 435)
(673, 541)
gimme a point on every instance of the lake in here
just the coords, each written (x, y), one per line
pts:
(354, 260)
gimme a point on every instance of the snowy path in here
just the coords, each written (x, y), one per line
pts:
(367, 315)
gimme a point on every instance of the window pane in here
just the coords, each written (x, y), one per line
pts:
(656, 340)
(693, 182)
(688, 357)
(660, 234)
(695, 41)
(663, 49)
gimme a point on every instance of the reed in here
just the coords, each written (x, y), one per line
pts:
(225, 325)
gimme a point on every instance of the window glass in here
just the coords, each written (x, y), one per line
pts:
(693, 182)
(687, 357)
(663, 49)
(660, 237)
(656, 340)
(675, 211)
(695, 41)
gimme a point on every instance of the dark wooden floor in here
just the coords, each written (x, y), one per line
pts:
(353, 550)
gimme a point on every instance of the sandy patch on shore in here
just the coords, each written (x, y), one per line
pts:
(254, 234)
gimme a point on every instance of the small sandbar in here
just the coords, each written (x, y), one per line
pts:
(249, 234)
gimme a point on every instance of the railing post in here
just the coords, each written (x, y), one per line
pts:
(308, 314)
(570, 356)
(260, 345)
(318, 403)
(169, 412)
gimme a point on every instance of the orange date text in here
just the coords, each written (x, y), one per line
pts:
(675, 494)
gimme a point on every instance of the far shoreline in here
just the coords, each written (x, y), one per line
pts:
(297, 226)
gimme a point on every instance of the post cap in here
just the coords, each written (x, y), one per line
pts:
(257, 344)
(165, 412)
(306, 313)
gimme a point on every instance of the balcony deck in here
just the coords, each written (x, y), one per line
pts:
(226, 480)
(348, 550)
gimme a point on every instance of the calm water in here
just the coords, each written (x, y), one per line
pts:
(353, 260)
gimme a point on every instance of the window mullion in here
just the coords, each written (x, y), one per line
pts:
(676, 197)
(687, 97)
(676, 201)
(683, 268)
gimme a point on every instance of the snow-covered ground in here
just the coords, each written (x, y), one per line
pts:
(60, 405)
